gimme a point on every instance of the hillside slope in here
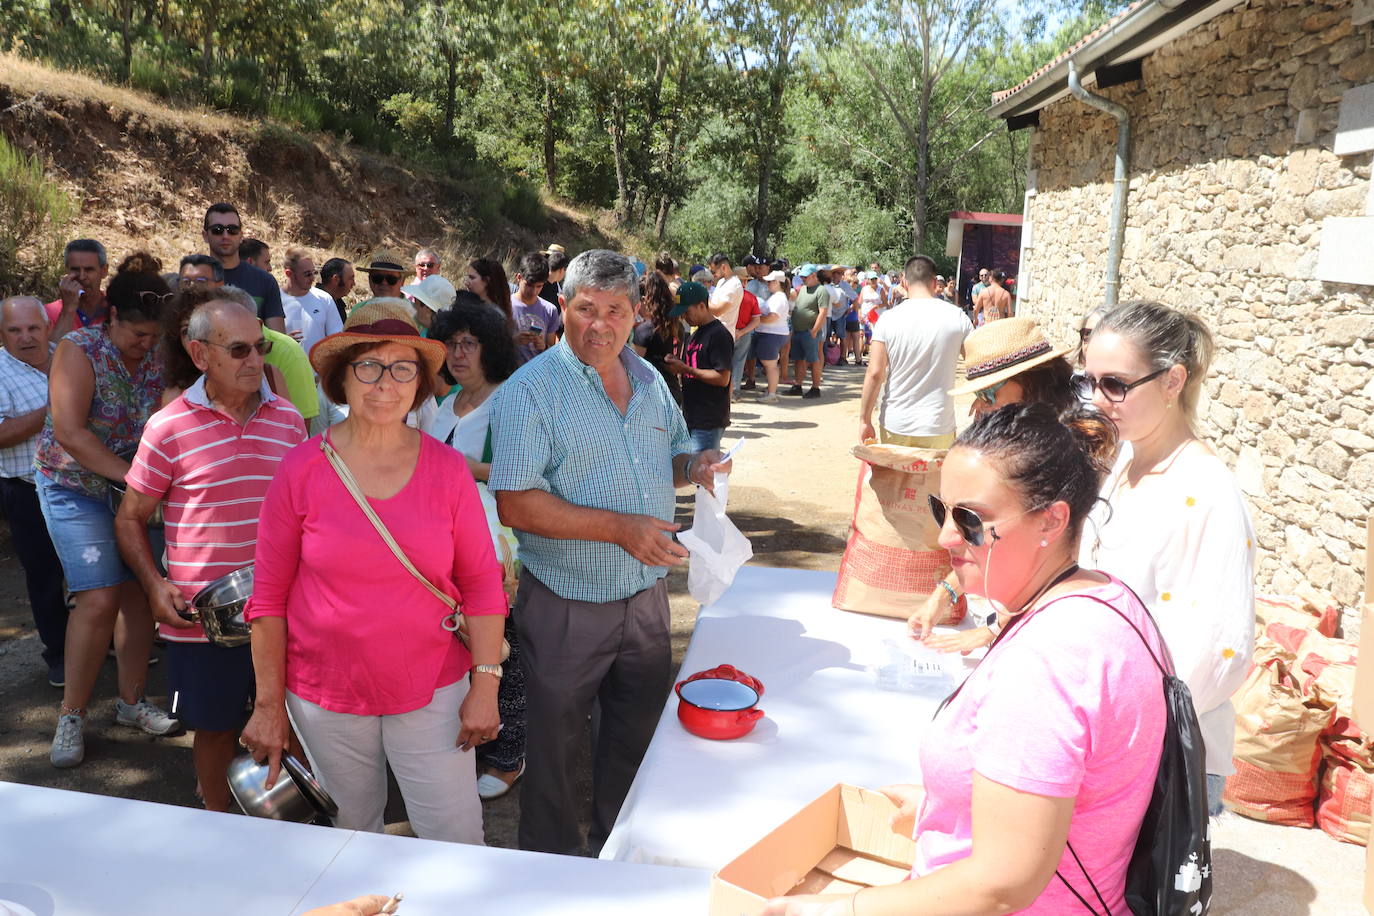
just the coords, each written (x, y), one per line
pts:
(143, 174)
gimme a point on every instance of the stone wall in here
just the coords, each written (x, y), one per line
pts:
(1231, 175)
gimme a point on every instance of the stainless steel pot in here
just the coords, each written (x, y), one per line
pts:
(297, 796)
(117, 491)
(218, 608)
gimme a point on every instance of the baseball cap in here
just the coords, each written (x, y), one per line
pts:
(775, 275)
(807, 270)
(688, 295)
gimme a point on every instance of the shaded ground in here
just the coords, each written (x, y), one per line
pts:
(791, 492)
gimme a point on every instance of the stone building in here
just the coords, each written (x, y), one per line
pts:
(1250, 202)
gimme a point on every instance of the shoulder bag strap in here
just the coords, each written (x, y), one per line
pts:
(351, 485)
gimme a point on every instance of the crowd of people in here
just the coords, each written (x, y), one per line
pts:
(458, 507)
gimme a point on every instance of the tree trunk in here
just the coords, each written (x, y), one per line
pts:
(207, 41)
(126, 39)
(450, 94)
(922, 196)
(624, 197)
(661, 221)
(768, 152)
(550, 151)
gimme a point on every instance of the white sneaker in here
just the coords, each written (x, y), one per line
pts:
(68, 744)
(146, 716)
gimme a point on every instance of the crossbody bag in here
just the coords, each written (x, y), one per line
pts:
(455, 622)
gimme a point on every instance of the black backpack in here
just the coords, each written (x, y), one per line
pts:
(1170, 873)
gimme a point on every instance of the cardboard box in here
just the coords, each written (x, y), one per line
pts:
(842, 841)
(1364, 687)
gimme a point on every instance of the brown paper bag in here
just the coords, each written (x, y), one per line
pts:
(893, 559)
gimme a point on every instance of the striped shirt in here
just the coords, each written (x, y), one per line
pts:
(554, 428)
(23, 389)
(212, 474)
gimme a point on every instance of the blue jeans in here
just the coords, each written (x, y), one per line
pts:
(702, 439)
(742, 350)
(1215, 786)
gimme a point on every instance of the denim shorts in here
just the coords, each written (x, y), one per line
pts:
(805, 347)
(702, 439)
(768, 347)
(82, 531)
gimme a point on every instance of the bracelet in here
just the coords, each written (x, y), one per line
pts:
(953, 595)
(687, 471)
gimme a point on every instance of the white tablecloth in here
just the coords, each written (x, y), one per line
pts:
(71, 854)
(699, 803)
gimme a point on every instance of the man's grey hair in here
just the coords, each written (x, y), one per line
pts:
(600, 269)
(704, 277)
(431, 252)
(203, 317)
(90, 246)
(235, 294)
(16, 302)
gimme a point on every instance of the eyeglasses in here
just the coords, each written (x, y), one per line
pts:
(1112, 388)
(369, 371)
(1084, 334)
(241, 350)
(966, 521)
(463, 344)
(989, 393)
(225, 228)
(427, 265)
(304, 273)
(188, 282)
(148, 298)
(384, 279)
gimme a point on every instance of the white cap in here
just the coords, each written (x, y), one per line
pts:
(434, 291)
(775, 275)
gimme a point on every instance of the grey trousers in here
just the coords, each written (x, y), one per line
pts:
(576, 653)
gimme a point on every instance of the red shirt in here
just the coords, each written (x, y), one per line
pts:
(54, 310)
(748, 310)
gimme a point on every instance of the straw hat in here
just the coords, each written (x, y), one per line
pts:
(378, 321)
(1002, 349)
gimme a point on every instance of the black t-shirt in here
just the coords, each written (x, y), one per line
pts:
(549, 291)
(655, 348)
(260, 285)
(708, 406)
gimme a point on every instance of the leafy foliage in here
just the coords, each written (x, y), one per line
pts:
(33, 214)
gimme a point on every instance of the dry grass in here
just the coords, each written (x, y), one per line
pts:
(32, 78)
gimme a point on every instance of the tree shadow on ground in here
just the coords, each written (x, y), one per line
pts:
(1243, 886)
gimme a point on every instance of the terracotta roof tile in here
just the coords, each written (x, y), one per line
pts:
(1003, 95)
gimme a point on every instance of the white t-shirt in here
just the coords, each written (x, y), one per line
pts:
(728, 290)
(313, 315)
(1187, 548)
(468, 433)
(923, 338)
(776, 304)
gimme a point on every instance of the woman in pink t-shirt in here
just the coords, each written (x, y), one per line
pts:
(1055, 738)
(344, 637)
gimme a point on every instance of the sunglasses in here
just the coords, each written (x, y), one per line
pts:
(989, 393)
(1112, 388)
(1084, 334)
(223, 228)
(430, 265)
(304, 273)
(384, 279)
(968, 523)
(241, 350)
(148, 298)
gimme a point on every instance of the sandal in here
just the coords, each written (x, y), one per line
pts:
(490, 786)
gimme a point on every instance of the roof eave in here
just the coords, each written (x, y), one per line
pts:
(1140, 32)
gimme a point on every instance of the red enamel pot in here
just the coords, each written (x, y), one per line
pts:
(720, 703)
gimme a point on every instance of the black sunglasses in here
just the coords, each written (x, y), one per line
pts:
(384, 279)
(1084, 334)
(222, 228)
(1113, 388)
(241, 350)
(968, 522)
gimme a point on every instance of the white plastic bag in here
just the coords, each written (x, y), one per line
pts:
(718, 548)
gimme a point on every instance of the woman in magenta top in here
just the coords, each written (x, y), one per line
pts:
(345, 639)
(1055, 738)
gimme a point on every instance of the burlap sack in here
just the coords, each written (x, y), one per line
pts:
(1346, 801)
(893, 559)
(1277, 753)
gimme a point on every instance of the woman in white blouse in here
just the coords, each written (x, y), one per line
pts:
(480, 356)
(1173, 525)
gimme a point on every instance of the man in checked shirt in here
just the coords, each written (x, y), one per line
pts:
(589, 447)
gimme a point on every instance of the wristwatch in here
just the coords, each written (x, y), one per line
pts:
(494, 670)
(992, 624)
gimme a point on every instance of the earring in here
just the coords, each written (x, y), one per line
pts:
(1044, 543)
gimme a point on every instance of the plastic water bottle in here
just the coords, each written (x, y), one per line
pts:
(910, 666)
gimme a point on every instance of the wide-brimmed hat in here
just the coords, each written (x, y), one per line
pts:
(1002, 349)
(379, 321)
(384, 262)
(688, 295)
(434, 291)
(553, 249)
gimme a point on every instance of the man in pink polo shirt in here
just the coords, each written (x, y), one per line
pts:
(81, 298)
(208, 456)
